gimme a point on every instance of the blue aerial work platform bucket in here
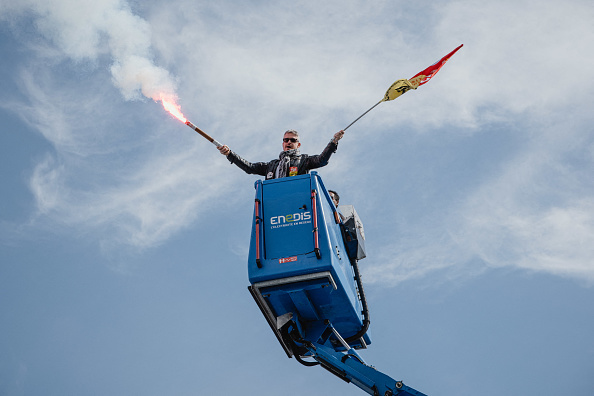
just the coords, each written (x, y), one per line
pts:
(304, 276)
(302, 264)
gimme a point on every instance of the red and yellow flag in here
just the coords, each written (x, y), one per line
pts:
(424, 76)
(402, 86)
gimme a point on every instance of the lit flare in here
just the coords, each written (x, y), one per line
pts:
(173, 108)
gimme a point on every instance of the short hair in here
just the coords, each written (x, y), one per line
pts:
(294, 132)
(335, 194)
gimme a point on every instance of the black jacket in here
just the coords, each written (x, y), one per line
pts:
(304, 163)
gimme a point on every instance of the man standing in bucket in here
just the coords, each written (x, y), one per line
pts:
(290, 162)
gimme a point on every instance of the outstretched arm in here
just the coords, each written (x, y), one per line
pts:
(318, 161)
(257, 168)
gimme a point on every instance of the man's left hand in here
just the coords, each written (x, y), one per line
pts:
(337, 136)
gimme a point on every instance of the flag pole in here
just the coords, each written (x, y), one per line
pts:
(398, 88)
(361, 116)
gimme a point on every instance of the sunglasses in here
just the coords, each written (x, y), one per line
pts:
(292, 140)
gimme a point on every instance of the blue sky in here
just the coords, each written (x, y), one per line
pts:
(124, 235)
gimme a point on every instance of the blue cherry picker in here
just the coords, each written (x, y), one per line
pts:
(303, 267)
(304, 275)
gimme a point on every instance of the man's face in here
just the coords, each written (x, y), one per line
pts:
(334, 199)
(290, 142)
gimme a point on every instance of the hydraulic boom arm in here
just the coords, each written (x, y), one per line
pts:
(347, 364)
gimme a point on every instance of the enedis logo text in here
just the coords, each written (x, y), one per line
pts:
(290, 218)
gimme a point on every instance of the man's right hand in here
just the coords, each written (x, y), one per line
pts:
(224, 149)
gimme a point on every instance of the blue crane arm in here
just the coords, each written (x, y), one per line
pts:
(345, 364)
(349, 367)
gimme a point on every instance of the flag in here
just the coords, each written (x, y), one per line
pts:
(424, 76)
(402, 86)
(398, 88)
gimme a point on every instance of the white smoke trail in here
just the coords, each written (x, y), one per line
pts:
(139, 203)
(85, 30)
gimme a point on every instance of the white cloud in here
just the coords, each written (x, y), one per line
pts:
(248, 72)
(46, 184)
(87, 30)
(527, 67)
(114, 173)
(537, 214)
